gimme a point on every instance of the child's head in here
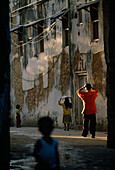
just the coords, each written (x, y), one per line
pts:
(17, 106)
(45, 125)
(67, 103)
(66, 100)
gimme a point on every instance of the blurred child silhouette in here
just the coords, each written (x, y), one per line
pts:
(46, 148)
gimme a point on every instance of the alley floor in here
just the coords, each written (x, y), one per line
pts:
(75, 151)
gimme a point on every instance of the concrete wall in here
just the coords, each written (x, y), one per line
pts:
(37, 83)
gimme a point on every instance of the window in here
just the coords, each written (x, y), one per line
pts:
(53, 9)
(30, 33)
(40, 11)
(40, 37)
(80, 16)
(20, 41)
(81, 80)
(94, 22)
(65, 30)
(53, 32)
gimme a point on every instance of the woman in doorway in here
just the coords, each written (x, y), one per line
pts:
(66, 111)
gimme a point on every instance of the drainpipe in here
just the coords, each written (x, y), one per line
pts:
(70, 58)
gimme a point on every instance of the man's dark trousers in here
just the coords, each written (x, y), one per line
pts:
(92, 118)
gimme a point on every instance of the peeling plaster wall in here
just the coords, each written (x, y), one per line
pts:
(39, 80)
(89, 56)
(39, 77)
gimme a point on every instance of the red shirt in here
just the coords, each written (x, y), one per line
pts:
(88, 98)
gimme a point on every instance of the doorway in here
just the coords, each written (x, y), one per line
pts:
(81, 80)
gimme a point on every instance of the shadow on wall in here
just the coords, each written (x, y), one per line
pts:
(101, 125)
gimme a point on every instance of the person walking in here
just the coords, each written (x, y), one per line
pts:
(67, 106)
(88, 97)
(46, 148)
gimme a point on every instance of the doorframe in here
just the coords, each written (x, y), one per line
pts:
(78, 74)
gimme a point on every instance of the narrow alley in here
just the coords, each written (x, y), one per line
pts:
(50, 49)
(76, 152)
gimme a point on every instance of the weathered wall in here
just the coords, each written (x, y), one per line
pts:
(38, 86)
(89, 57)
(39, 80)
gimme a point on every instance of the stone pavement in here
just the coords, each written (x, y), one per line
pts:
(76, 152)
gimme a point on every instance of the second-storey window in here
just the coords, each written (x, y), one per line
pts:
(94, 22)
(20, 41)
(65, 30)
(80, 16)
(53, 32)
(40, 37)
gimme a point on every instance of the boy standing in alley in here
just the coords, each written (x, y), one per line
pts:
(89, 108)
(18, 120)
(46, 148)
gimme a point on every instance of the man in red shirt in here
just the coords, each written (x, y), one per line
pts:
(89, 108)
